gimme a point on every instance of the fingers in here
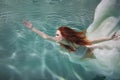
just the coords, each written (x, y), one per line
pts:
(116, 36)
(25, 22)
(113, 36)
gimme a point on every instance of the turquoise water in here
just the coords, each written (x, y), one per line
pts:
(26, 56)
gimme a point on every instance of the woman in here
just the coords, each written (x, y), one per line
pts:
(71, 39)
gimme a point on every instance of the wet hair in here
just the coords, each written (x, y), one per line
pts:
(74, 37)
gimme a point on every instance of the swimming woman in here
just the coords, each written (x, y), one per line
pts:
(70, 39)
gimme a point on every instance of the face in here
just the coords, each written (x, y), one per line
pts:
(58, 36)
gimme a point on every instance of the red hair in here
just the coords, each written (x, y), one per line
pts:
(73, 36)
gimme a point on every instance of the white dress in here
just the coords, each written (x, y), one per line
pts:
(106, 22)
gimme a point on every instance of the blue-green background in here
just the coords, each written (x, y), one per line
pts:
(24, 55)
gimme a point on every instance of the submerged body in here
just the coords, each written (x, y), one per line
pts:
(71, 40)
(107, 52)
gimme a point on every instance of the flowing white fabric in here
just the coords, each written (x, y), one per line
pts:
(106, 22)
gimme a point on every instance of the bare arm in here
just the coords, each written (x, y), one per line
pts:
(101, 40)
(113, 37)
(42, 34)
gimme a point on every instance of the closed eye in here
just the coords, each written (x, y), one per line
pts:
(57, 34)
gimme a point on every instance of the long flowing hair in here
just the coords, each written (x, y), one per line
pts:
(74, 37)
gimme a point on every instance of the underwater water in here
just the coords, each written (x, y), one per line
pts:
(24, 55)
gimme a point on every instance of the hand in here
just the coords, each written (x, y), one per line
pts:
(115, 36)
(27, 24)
